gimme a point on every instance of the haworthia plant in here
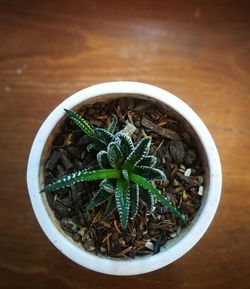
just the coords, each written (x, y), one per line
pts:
(126, 172)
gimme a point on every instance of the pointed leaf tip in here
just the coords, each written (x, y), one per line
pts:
(137, 155)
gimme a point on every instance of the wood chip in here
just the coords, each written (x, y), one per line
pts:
(124, 252)
(143, 132)
(106, 238)
(177, 151)
(117, 227)
(105, 224)
(162, 123)
(66, 162)
(102, 117)
(159, 146)
(108, 245)
(130, 117)
(166, 133)
(97, 217)
(68, 140)
(53, 160)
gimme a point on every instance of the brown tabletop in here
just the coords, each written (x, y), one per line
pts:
(198, 50)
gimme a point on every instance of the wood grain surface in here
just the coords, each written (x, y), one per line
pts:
(198, 50)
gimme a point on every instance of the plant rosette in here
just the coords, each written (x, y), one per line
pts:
(123, 169)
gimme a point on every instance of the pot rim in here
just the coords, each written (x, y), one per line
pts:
(142, 264)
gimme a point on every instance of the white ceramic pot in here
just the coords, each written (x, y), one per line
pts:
(175, 248)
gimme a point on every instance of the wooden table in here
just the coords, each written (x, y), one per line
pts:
(198, 50)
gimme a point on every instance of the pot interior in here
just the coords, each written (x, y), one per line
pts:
(163, 108)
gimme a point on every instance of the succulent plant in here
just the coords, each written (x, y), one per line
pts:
(126, 172)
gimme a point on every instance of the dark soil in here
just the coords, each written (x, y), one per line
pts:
(177, 157)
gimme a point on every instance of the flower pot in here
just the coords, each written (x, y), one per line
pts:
(173, 249)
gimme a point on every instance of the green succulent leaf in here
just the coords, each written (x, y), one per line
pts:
(148, 199)
(108, 186)
(126, 144)
(138, 153)
(125, 175)
(102, 159)
(113, 124)
(91, 146)
(100, 197)
(110, 208)
(157, 194)
(97, 146)
(149, 173)
(122, 201)
(148, 161)
(134, 200)
(82, 176)
(103, 135)
(81, 122)
(115, 155)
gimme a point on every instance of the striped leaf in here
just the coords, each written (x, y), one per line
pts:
(149, 173)
(82, 176)
(108, 186)
(134, 200)
(126, 144)
(100, 197)
(103, 135)
(157, 194)
(97, 146)
(122, 201)
(110, 208)
(148, 161)
(148, 199)
(115, 155)
(125, 175)
(138, 153)
(102, 159)
(81, 122)
(113, 124)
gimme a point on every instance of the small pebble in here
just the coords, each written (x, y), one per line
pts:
(200, 191)
(149, 245)
(82, 231)
(129, 129)
(68, 225)
(103, 249)
(61, 209)
(188, 172)
(176, 233)
(76, 237)
(89, 245)
(200, 180)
